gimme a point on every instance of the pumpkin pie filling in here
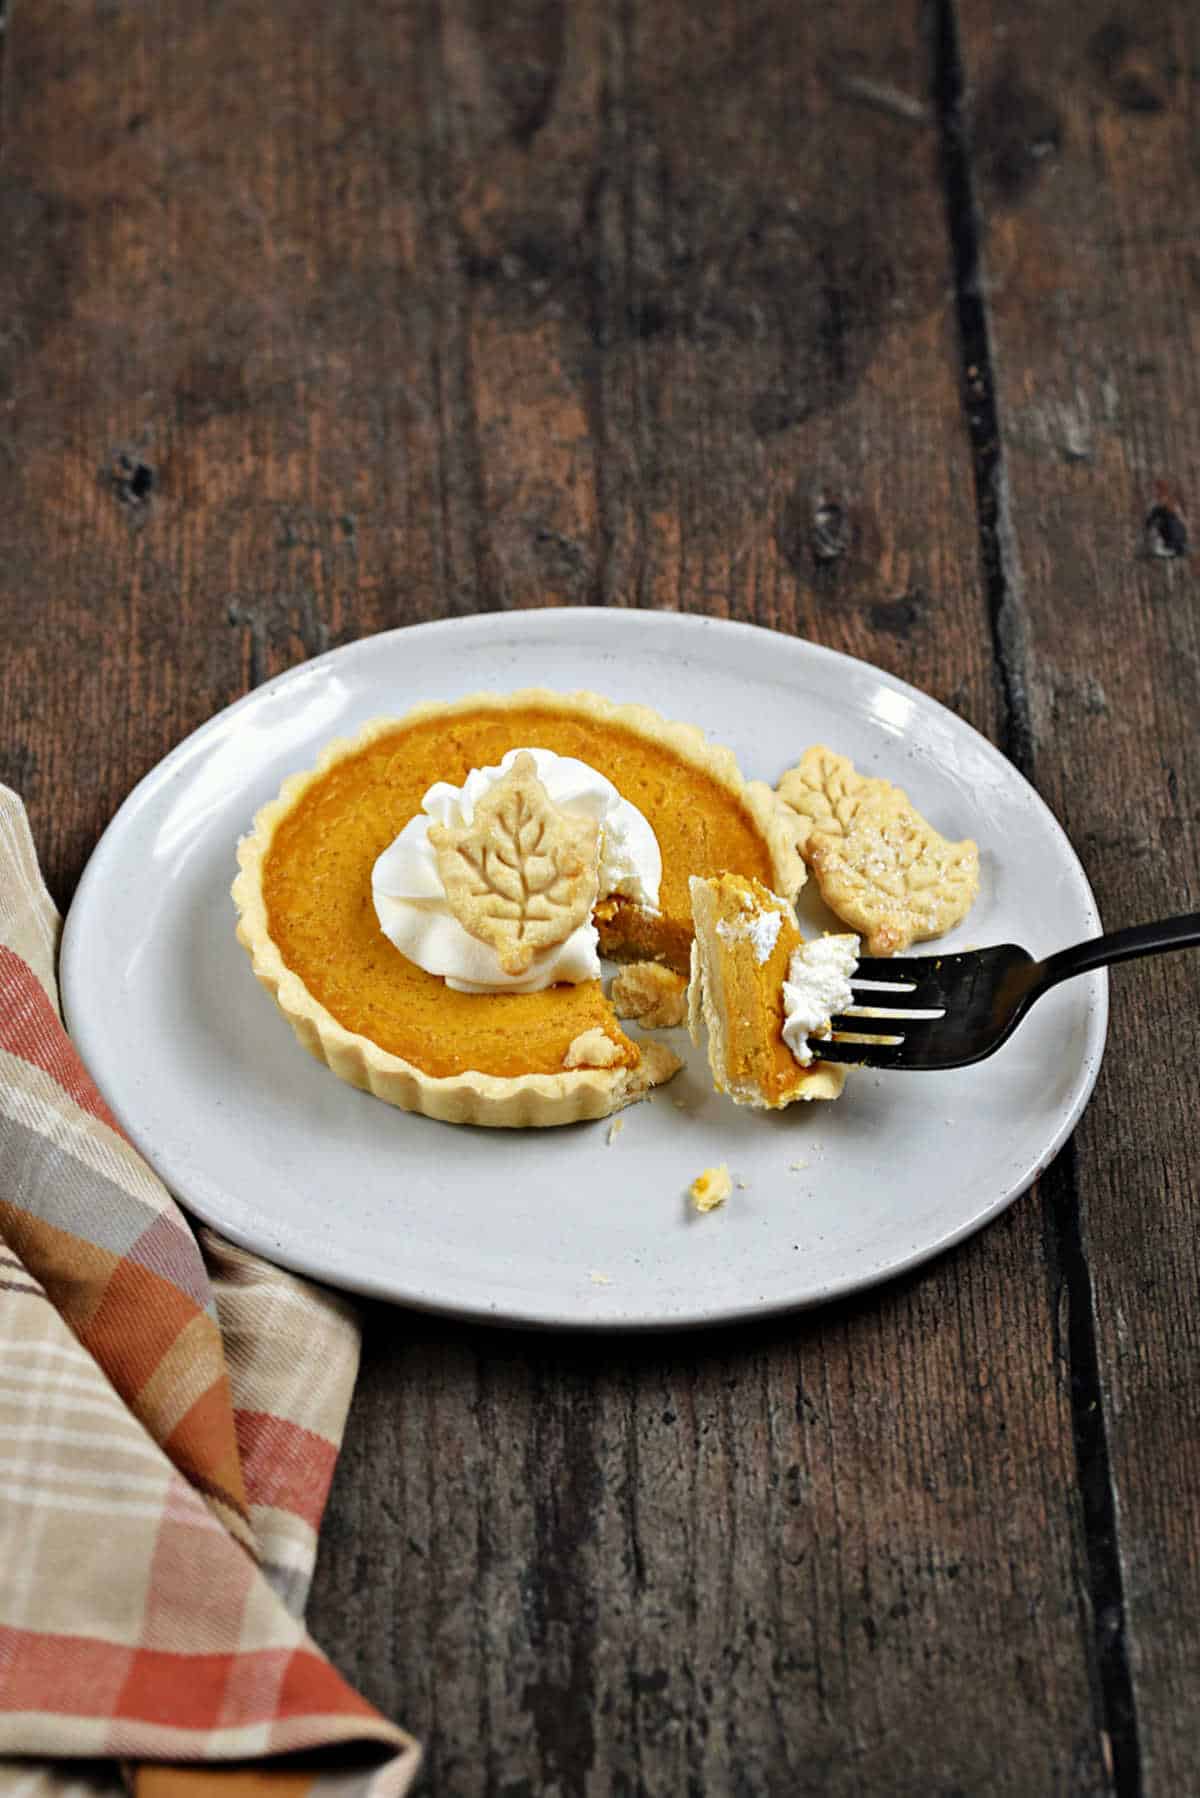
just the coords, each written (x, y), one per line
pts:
(745, 938)
(316, 882)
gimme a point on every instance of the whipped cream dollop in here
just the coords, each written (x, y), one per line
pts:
(816, 989)
(410, 899)
(759, 928)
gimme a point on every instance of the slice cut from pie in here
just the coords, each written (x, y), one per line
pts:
(745, 938)
(383, 1023)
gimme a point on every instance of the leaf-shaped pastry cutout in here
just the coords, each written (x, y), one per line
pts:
(880, 865)
(891, 876)
(524, 873)
(826, 790)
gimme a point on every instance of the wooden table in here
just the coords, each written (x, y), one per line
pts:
(877, 325)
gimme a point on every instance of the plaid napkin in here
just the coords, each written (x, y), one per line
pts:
(170, 1415)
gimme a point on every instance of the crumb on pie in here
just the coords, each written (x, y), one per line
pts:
(654, 995)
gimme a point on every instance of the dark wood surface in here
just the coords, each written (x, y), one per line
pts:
(1088, 143)
(877, 327)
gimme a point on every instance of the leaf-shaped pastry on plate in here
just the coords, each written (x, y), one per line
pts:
(524, 873)
(880, 865)
(825, 790)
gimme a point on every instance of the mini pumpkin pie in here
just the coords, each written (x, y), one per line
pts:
(467, 832)
(760, 991)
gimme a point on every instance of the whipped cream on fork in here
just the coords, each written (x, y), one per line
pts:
(816, 989)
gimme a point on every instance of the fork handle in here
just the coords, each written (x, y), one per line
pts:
(1120, 945)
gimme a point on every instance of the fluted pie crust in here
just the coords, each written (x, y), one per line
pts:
(684, 774)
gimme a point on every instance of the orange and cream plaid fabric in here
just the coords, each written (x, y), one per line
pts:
(170, 1415)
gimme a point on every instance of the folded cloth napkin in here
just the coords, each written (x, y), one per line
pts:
(170, 1414)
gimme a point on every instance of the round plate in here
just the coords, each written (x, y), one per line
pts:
(583, 1225)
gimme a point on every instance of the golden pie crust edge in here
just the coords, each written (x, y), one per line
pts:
(506, 1102)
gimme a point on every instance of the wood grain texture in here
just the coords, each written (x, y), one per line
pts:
(1085, 147)
(310, 335)
(823, 1556)
(322, 319)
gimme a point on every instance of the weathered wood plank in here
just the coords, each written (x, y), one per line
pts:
(822, 1556)
(223, 412)
(1085, 142)
(324, 319)
(706, 340)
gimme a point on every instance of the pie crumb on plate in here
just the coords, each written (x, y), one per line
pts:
(711, 1188)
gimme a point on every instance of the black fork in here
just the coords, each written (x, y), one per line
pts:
(946, 1011)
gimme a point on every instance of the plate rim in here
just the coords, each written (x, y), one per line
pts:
(551, 618)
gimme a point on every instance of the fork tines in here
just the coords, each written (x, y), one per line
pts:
(912, 1012)
(926, 974)
(903, 994)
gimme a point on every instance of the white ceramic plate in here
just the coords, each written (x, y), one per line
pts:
(563, 1227)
